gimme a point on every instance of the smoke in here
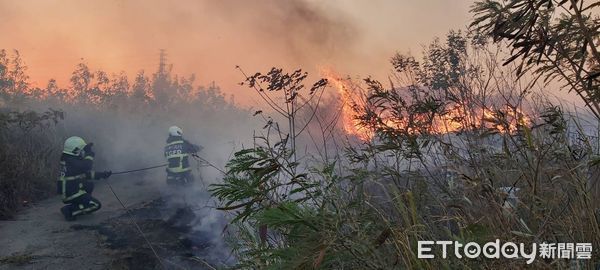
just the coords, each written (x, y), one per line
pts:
(126, 138)
(209, 38)
(306, 33)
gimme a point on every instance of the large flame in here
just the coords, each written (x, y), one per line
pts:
(350, 99)
(455, 119)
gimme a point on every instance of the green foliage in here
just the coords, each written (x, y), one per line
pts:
(367, 210)
(255, 179)
(553, 39)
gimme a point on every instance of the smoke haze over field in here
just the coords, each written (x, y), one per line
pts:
(209, 38)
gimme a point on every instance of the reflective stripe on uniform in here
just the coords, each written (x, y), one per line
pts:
(74, 196)
(177, 156)
(75, 177)
(174, 142)
(179, 169)
(82, 209)
(64, 179)
(181, 156)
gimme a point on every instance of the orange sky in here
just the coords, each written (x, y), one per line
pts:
(209, 38)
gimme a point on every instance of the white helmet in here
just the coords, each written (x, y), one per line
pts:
(74, 145)
(175, 131)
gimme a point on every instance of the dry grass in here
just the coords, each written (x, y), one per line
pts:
(18, 259)
(28, 156)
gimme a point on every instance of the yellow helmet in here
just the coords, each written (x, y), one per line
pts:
(74, 145)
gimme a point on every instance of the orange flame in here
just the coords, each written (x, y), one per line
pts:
(349, 98)
(455, 119)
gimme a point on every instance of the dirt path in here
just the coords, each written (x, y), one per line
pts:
(39, 238)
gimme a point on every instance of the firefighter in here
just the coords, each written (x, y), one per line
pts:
(74, 184)
(177, 152)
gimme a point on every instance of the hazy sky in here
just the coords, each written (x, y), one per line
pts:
(209, 38)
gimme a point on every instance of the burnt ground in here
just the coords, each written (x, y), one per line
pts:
(186, 234)
(172, 236)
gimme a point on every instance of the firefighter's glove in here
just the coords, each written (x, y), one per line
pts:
(88, 150)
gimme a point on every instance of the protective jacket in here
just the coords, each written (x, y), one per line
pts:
(75, 172)
(177, 152)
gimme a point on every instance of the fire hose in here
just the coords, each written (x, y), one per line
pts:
(166, 164)
(142, 169)
(208, 163)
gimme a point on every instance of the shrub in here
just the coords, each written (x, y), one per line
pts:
(28, 158)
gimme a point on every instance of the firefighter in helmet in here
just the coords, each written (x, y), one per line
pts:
(74, 185)
(177, 152)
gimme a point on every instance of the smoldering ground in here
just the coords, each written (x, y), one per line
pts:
(131, 136)
(131, 141)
